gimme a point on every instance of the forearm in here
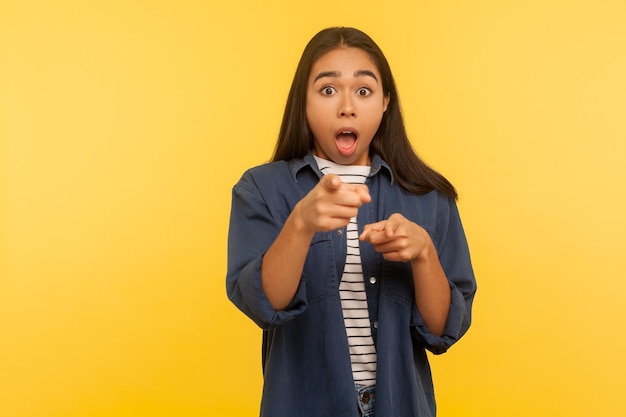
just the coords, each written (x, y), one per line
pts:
(283, 263)
(432, 290)
(330, 205)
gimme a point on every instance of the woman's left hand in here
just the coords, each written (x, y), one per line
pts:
(398, 239)
(401, 240)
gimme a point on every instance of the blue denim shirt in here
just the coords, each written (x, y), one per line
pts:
(305, 357)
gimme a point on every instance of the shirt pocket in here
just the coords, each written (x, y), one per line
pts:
(397, 282)
(319, 268)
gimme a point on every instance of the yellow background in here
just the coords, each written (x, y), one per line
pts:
(124, 125)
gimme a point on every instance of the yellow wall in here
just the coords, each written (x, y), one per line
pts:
(124, 124)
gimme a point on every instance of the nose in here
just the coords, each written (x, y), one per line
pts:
(346, 107)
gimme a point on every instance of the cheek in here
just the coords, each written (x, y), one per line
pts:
(375, 117)
(316, 114)
(310, 115)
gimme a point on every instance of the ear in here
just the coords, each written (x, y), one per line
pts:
(386, 101)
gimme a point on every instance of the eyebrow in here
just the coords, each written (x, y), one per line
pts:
(337, 74)
(365, 73)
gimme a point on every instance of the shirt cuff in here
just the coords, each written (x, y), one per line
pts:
(456, 325)
(256, 304)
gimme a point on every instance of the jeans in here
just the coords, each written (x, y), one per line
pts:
(366, 397)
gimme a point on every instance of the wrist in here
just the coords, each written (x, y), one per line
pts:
(428, 252)
(299, 224)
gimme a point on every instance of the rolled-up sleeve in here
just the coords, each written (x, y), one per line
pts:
(454, 257)
(252, 230)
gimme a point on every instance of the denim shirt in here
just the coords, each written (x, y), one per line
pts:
(305, 357)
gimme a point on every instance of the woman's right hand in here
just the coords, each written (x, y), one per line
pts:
(330, 205)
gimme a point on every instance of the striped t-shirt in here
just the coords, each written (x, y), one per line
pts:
(352, 286)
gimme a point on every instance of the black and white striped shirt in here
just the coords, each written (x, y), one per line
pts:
(352, 286)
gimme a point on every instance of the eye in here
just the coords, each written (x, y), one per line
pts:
(328, 91)
(364, 91)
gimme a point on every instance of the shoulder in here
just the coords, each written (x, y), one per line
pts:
(268, 168)
(278, 181)
(274, 185)
(261, 175)
(301, 171)
(439, 205)
(428, 210)
(433, 200)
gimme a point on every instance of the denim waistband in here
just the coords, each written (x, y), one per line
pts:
(366, 397)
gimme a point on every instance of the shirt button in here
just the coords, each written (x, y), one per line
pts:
(372, 280)
(376, 325)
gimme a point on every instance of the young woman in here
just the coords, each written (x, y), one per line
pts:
(347, 249)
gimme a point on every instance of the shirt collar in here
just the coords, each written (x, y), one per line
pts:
(295, 165)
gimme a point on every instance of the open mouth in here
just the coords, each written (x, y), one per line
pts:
(346, 141)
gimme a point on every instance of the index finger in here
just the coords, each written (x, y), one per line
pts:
(371, 228)
(331, 182)
(392, 224)
(362, 191)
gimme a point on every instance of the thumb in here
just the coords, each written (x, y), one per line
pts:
(331, 182)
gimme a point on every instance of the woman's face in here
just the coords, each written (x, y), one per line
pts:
(345, 103)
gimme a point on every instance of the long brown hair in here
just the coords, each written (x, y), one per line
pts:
(391, 142)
